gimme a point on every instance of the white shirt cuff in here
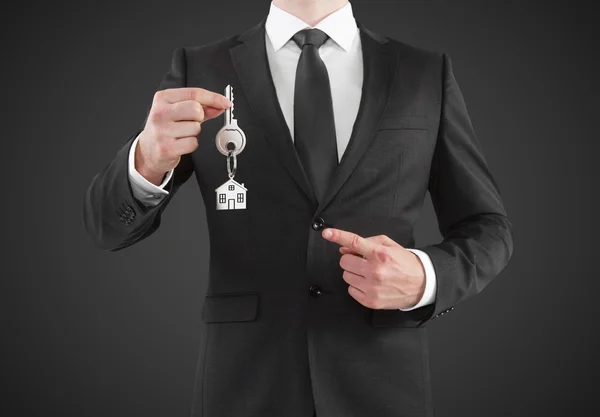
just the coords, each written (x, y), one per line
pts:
(143, 190)
(430, 281)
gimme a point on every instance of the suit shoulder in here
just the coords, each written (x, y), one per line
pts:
(415, 52)
(211, 48)
(217, 46)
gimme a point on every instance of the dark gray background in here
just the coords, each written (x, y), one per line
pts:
(92, 333)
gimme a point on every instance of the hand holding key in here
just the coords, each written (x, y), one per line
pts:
(172, 127)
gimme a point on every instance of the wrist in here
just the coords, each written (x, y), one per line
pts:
(152, 175)
(419, 280)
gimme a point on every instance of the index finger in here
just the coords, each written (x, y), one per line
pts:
(351, 240)
(204, 97)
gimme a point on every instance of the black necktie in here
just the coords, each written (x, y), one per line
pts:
(314, 127)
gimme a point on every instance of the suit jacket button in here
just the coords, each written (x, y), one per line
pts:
(315, 290)
(318, 223)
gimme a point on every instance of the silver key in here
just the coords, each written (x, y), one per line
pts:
(230, 136)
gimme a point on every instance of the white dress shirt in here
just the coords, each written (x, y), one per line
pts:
(342, 55)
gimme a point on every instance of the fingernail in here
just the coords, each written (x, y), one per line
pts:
(327, 233)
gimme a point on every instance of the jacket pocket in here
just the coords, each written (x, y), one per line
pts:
(230, 307)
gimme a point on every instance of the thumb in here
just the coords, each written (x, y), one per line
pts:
(212, 112)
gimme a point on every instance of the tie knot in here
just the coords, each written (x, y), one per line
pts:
(314, 37)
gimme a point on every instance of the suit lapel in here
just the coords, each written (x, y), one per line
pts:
(379, 67)
(252, 67)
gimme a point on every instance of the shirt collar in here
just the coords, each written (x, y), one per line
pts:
(339, 26)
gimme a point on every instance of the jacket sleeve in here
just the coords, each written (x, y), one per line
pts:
(477, 234)
(112, 216)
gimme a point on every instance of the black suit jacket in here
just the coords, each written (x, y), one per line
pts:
(272, 346)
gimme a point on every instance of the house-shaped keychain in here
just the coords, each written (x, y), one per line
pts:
(231, 195)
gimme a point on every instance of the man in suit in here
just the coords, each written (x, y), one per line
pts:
(324, 309)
